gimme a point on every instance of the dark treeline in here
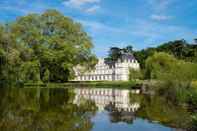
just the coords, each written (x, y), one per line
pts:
(115, 53)
(43, 48)
(181, 49)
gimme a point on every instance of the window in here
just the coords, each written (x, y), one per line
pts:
(84, 77)
(95, 77)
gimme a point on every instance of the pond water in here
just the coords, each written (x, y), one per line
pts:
(87, 109)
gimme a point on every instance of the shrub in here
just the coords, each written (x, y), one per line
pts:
(175, 75)
(46, 76)
(194, 122)
(194, 84)
(135, 74)
(30, 71)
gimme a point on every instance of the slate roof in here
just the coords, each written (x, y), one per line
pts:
(127, 56)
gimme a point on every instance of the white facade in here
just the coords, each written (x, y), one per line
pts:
(103, 72)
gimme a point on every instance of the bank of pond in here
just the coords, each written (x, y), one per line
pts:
(95, 84)
(90, 109)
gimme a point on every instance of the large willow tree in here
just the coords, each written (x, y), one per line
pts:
(175, 77)
(49, 42)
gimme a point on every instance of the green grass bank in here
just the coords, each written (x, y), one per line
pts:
(91, 84)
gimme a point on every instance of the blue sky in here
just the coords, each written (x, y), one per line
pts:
(140, 23)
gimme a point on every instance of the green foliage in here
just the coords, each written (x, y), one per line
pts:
(175, 75)
(164, 66)
(181, 49)
(142, 55)
(30, 71)
(9, 56)
(194, 122)
(58, 42)
(159, 64)
(46, 76)
(48, 41)
(135, 74)
(193, 98)
(135, 98)
(115, 53)
(2, 63)
(156, 108)
(113, 56)
(43, 109)
(194, 84)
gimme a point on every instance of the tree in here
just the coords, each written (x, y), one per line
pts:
(56, 41)
(175, 76)
(135, 74)
(46, 76)
(9, 56)
(114, 54)
(180, 49)
(195, 41)
(142, 55)
(128, 49)
(30, 71)
(158, 64)
(38, 42)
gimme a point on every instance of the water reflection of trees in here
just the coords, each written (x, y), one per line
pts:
(122, 116)
(154, 109)
(53, 109)
(116, 115)
(158, 109)
(43, 110)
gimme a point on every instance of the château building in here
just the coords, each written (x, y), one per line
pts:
(105, 72)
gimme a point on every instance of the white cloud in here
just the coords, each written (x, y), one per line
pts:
(92, 9)
(143, 32)
(160, 9)
(88, 6)
(79, 3)
(21, 8)
(149, 32)
(160, 5)
(159, 17)
(155, 33)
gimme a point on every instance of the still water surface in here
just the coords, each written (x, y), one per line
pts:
(87, 109)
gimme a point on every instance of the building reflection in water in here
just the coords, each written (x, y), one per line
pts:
(107, 99)
(115, 101)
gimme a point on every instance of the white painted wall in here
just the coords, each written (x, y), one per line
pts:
(102, 71)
